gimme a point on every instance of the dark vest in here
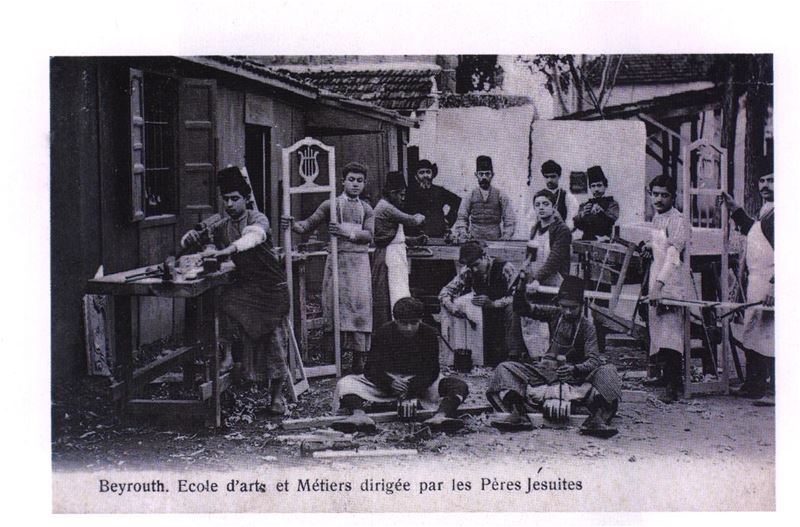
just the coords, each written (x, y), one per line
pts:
(489, 212)
(495, 285)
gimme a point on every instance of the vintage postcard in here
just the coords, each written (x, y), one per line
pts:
(359, 283)
(391, 259)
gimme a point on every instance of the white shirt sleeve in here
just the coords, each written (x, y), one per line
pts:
(252, 235)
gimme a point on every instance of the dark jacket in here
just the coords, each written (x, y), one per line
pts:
(601, 224)
(430, 203)
(391, 352)
(560, 250)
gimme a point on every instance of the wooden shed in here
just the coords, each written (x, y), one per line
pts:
(136, 143)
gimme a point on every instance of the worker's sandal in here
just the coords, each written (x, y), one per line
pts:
(512, 423)
(444, 424)
(355, 423)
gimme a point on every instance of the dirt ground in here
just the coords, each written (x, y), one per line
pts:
(88, 435)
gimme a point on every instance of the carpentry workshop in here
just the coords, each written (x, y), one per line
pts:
(343, 257)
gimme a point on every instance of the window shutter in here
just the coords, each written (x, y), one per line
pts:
(137, 144)
(196, 151)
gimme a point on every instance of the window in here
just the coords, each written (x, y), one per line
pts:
(160, 104)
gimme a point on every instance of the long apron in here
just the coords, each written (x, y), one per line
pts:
(397, 265)
(666, 322)
(536, 334)
(759, 325)
(355, 294)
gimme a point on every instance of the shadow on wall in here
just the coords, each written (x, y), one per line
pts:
(454, 137)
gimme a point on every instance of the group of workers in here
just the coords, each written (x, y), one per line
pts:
(534, 345)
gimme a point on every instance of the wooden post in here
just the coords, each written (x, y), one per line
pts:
(301, 283)
(723, 274)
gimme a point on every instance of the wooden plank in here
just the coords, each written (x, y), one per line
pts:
(381, 417)
(301, 283)
(206, 389)
(328, 454)
(145, 374)
(696, 388)
(177, 407)
(320, 371)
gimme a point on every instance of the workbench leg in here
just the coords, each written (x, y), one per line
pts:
(214, 413)
(123, 348)
(687, 353)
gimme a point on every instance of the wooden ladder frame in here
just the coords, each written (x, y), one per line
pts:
(722, 384)
(311, 187)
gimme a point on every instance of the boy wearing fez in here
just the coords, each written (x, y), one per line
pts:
(596, 217)
(402, 364)
(258, 302)
(515, 386)
(390, 263)
(354, 229)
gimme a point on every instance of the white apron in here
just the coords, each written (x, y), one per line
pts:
(397, 266)
(759, 326)
(536, 334)
(463, 333)
(667, 327)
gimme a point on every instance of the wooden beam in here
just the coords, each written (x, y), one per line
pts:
(176, 407)
(150, 372)
(381, 417)
(321, 371)
(206, 389)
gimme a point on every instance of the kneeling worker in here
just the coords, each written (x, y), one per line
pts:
(583, 377)
(402, 364)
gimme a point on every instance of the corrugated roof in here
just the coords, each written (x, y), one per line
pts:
(400, 89)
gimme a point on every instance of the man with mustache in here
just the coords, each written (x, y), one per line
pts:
(486, 213)
(759, 326)
(436, 203)
(566, 204)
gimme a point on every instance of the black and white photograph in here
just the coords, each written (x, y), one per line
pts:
(513, 262)
(398, 263)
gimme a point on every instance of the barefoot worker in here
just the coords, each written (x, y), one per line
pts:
(257, 304)
(403, 364)
(583, 378)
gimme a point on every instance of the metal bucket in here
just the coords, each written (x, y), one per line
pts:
(462, 360)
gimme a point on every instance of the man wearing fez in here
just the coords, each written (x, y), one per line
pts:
(487, 281)
(566, 204)
(389, 263)
(581, 377)
(258, 302)
(596, 217)
(596, 220)
(403, 364)
(759, 326)
(486, 213)
(436, 203)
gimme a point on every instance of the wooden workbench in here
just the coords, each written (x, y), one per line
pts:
(201, 341)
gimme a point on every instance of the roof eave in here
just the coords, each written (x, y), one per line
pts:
(296, 88)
